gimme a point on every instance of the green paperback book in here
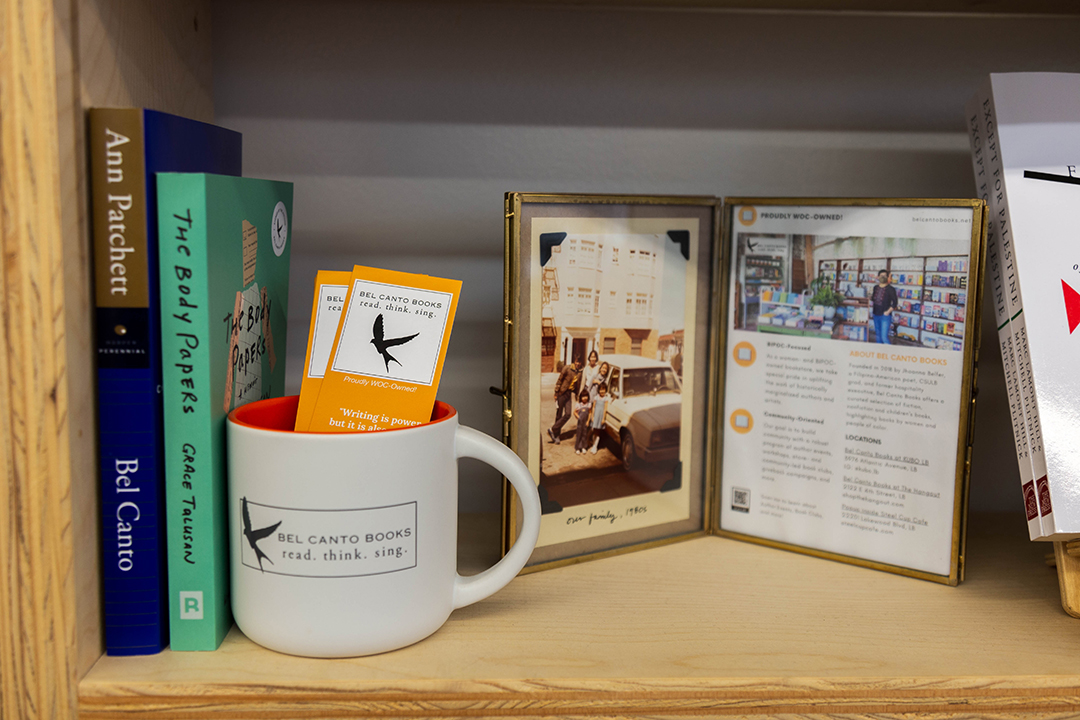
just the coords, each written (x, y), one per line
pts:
(224, 273)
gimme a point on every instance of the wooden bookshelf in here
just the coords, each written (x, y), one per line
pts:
(706, 627)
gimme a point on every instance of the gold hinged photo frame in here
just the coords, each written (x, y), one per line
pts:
(648, 296)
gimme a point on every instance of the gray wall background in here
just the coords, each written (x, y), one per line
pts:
(402, 124)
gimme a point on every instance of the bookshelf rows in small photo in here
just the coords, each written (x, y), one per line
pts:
(931, 292)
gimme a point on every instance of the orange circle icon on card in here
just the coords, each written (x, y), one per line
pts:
(744, 354)
(742, 421)
(747, 215)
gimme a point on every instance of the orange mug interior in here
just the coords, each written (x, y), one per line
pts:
(280, 414)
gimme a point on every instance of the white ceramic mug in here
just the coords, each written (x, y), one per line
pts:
(345, 544)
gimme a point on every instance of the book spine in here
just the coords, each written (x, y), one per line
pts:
(993, 184)
(1013, 293)
(129, 399)
(1026, 380)
(984, 183)
(195, 598)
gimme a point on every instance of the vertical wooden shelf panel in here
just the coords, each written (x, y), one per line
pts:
(147, 53)
(78, 334)
(37, 594)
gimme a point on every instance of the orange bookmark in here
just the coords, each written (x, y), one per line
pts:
(331, 286)
(386, 361)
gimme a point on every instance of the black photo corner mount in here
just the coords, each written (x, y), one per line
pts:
(547, 505)
(548, 241)
(682, 239)
(675, 482)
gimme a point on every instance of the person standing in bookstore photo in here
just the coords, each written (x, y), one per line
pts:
(884, 303)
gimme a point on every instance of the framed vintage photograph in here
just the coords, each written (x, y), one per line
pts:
(607, 371)
(803, 379)
(847, 383)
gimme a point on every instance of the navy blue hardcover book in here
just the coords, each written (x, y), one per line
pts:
(127, 147)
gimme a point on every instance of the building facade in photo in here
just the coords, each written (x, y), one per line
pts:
(602, 293)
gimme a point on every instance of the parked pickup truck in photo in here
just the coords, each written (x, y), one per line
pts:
(644, 414)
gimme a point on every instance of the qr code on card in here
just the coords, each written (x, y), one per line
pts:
(740, 499)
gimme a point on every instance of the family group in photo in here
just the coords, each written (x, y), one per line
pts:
(581, 393)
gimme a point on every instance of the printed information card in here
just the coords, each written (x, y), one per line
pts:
(845, 354)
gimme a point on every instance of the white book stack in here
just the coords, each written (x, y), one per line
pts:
(1025, 138)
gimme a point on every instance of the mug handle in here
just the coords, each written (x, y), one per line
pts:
(474, 444)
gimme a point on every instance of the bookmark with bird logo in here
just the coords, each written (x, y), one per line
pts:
(384, 367)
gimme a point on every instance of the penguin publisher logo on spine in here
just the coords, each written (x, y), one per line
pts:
(327, 543)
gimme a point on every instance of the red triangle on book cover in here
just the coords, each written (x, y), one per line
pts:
(1072, 305)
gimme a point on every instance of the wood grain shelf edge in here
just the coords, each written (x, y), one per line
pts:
(718, 696)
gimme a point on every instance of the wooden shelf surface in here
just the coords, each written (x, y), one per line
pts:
(709, 626)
